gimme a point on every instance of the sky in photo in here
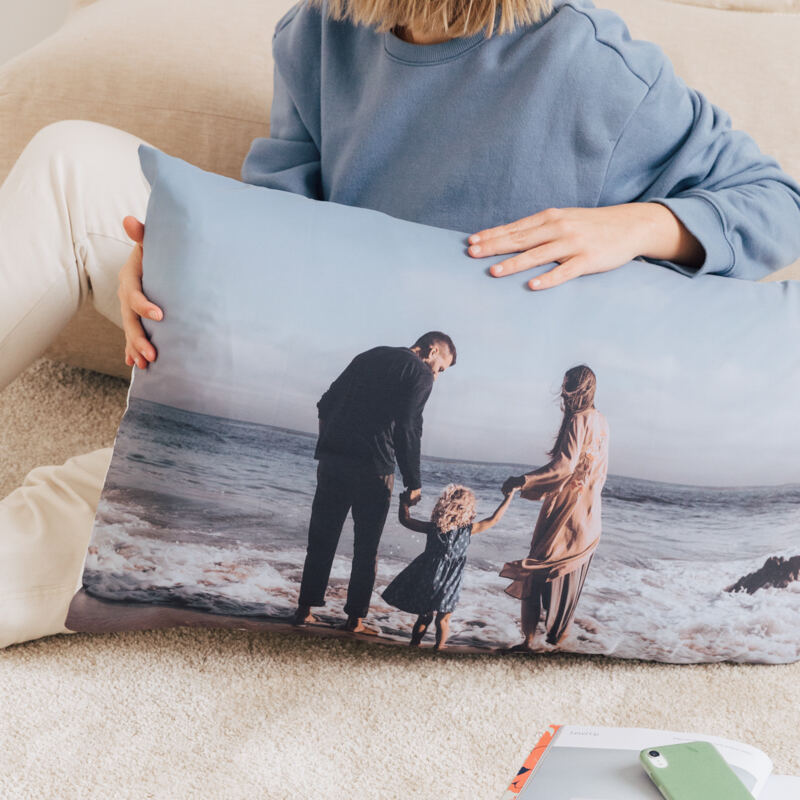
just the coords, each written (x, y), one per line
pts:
(696, 377)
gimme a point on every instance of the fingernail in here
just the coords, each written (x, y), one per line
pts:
(474, 249)
(535, 282)
(154, 315)
(497, 269)
(474, 238)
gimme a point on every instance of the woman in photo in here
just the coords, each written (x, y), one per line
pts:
(431, 583)
(568, 528)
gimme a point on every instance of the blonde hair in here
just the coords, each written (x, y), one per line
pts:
(454, 17)
(454, 508)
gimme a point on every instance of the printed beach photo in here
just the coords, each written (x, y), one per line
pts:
(212, 514)
(593, 475)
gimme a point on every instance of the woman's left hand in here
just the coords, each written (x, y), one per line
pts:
(584, 241)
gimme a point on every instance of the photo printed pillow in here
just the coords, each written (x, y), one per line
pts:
(610, 466)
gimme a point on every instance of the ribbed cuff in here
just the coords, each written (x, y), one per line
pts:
(703, 220)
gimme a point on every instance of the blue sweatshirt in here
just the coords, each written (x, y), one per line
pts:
(476, 132)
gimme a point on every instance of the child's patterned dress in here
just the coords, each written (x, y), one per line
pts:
(432, 581)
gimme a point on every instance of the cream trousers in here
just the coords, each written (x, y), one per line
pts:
(61, 242)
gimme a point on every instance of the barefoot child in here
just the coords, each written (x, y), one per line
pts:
(431, 583)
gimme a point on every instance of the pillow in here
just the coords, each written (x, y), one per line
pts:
(662, 526)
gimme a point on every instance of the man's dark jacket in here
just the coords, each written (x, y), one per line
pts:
(372, 413)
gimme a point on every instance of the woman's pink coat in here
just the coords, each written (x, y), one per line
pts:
(569, 524)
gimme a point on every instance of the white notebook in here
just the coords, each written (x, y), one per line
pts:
(576, 762)
(781, 787)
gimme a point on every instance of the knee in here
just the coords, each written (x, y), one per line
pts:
(63, 131)
(67, 138)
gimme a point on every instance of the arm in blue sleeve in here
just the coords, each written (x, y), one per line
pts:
(678, 149)
(289, 159)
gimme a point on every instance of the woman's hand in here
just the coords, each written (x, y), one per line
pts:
(133, 302)
(513, 483)
(586, 240)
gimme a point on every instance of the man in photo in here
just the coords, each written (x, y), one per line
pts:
(370, 420)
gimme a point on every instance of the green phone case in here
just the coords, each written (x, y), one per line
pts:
(694, 771)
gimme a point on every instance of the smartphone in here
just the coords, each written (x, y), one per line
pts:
(692, 771)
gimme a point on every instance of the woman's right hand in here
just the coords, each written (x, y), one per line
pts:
(133, 303)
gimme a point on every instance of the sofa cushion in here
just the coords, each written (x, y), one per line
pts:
(673, 495)
(745, 63)
(145, 67)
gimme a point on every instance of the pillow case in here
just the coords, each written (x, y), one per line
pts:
(642, 424)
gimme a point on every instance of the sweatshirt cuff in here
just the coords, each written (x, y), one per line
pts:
(703, 220)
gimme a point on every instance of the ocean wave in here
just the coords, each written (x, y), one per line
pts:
(677, 612)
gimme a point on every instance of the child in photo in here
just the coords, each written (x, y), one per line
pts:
(431, 583)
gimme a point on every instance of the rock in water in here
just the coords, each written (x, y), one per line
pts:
(777, 572)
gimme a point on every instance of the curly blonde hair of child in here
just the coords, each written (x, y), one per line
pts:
(454, 508)
(453, 17)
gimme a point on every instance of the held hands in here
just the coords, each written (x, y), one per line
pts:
(585, 241)
(133, 302)
(410, 497)
(512, 484)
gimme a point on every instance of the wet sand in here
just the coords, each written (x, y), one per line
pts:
(89, 614)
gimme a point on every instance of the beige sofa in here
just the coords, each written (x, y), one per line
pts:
(194, 77)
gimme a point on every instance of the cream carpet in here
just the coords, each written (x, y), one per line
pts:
(192, 713)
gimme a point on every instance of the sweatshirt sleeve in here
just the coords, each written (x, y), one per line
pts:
(289, 159)
(678, 149)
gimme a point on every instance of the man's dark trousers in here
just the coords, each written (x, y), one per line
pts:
(343, 486)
